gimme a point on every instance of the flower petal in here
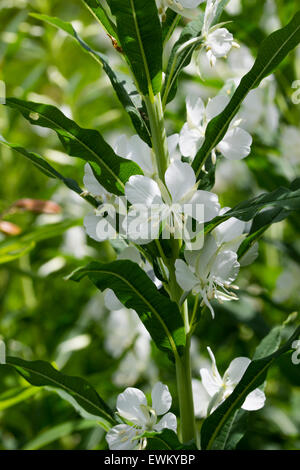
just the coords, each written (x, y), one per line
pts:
(129, 405)
(219, 42)
(216, 105)
(236, 370)
(201, 399)
(161, 398)
(229, 230)
(195, 111)
(210, 204)
(236, 144)
(184, 276)
(255, 400)
(120, 437)
(225, 267)
(210, 382)
(142, 190)
(168, 421)
(180, 179)
(91, 183)
(90, 223)
(190, 140)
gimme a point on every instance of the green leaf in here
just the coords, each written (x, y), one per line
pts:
(140, 35)
(48, 170)
(11, 250)
(57, 432)
(254, 376)
(271, 53)
(170, 23)
(42, 374)
(123, 86)
(99, 12)
(88, 144)
(135, 290)
(282, 198)
(166, 440)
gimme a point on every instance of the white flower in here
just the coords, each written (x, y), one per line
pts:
(132, 406)
(235, 145)
(214, 389)
(96, 226)
(155, 204)
(217, 41)
(135, 149)
(211, 271)
(183, 7)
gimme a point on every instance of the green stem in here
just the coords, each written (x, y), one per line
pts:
(185, 396)
(158, 133)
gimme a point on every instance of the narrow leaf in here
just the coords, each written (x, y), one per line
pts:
(88, 144)
(135, 290)
(140, 35)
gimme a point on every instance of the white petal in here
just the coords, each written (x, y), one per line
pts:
(168, 421)
(140, 153)
(120, 437)
(210, 204)
(121, 146)
(111, 300)
(161, 398)
(184, 276)
(194, 111)
(216, 105)
(142, 190)
(180, 179)
(236, 370)
(220, 42)
(236, 144)
(229, 230)
(226, 267)
(190, 3)
(91, 183)
(250, 255)
(90, 223)
(210, 382)
(173, 143)
(190, 141)
(201, 399)
(129, 405)
(254, 401)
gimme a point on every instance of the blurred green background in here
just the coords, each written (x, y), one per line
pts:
(43, 316)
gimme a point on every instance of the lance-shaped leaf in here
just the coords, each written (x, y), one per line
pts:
(135, 290)
(123, 86)
(75, 389)
(111, 170)
(140, 35)
(271, 53)
(100, 13)
(254, 376)
(49, 171)
(282, 198)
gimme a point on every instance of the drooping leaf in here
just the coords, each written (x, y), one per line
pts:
(122, 84)
(271, 53)
(140, 35)
(49, 171)
(254, 376)
(42, 374)
(135, 290)
(88, 144)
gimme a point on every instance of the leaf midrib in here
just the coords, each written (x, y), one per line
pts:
(153, 310)
(78, 140)
(60, 385)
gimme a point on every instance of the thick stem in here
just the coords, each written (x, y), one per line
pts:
(158, 133)
(185, 396)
